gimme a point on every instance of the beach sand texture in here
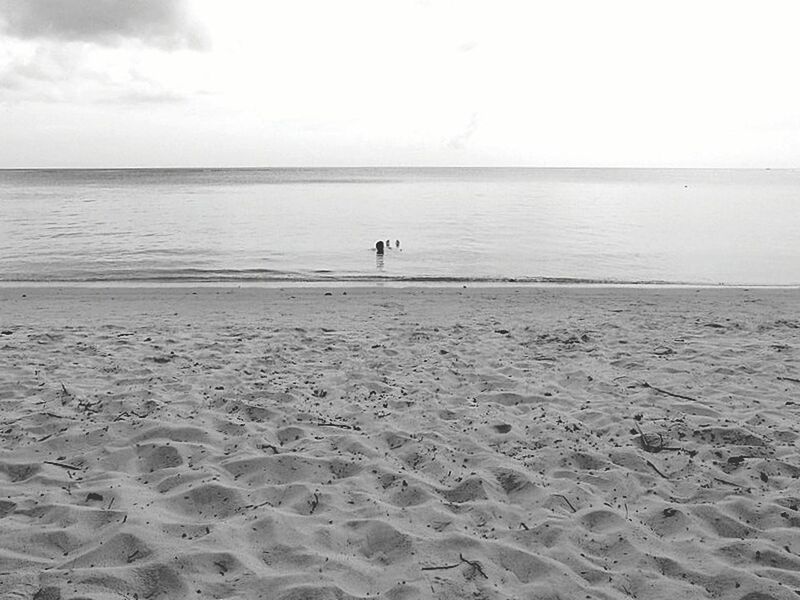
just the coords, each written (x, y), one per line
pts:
(399, 443)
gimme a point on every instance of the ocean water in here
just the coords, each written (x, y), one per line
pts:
(552, 225)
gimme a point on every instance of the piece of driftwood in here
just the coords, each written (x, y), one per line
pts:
(476, 566)
(339, 425)
(655, 468)
(563, 497)
(62, 465)
(440, 568)
(668, 393)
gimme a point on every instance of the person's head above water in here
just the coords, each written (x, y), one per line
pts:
(379, 247)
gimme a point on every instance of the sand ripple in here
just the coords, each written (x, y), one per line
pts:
(440, 444)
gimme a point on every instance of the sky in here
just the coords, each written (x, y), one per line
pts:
(205, 83)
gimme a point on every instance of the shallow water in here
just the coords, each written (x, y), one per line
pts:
(695, 226)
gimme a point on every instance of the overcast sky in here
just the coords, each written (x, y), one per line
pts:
(122, 83)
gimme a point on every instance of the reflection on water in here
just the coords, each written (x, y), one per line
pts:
(705, 226)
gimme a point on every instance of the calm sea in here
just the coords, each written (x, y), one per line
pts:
(584, 225)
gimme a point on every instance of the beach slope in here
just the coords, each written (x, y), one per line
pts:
(399, 443)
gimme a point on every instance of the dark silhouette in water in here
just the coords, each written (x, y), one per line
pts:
(397, 244)
(379, 255)
(388, 244)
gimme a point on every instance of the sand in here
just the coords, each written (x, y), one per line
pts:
(399, 443)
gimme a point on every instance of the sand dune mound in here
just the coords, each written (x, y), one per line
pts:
(120, 549)
(207, 501)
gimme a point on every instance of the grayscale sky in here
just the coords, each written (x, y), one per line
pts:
(115, 83)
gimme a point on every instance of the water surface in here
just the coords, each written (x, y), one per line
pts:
(639, 225)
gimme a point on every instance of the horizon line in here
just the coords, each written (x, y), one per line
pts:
(442, 167)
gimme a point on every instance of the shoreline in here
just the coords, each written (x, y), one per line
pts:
(91, 302)
(390, 283)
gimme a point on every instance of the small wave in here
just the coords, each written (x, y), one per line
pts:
(268, 276)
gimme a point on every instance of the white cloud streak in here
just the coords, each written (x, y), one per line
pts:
(459, 142)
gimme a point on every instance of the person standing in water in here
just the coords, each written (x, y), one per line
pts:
(379, 255)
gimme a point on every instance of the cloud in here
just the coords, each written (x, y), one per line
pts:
(40, 76)
(56, 74)
(459, 142)
(166, 24)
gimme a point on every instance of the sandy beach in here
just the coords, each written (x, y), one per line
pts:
(537, 443)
